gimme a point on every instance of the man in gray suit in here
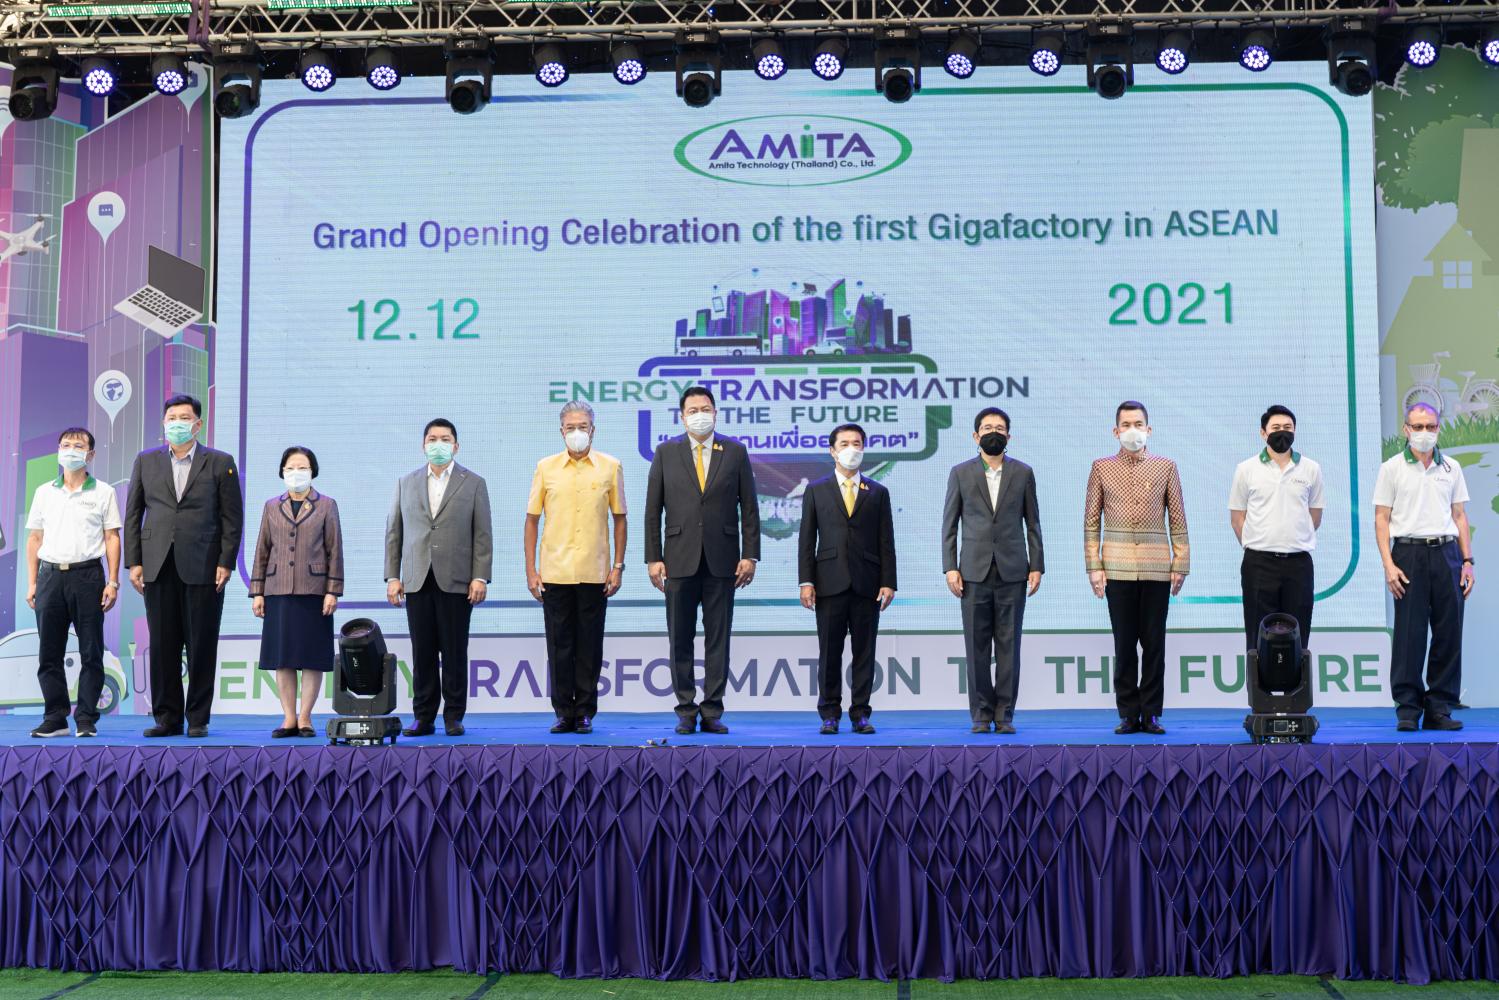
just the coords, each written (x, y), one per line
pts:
(706, 488)
(184, 517)
(993, 498)
(439, 551)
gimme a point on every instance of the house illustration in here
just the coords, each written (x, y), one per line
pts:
(1445, 338)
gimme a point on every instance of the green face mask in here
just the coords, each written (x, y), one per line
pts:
(179, 431)
(439, 452)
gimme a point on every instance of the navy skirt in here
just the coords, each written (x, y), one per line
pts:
(296, 634)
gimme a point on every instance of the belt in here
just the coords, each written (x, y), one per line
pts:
(1276, 555)
(68, 567)
(1429, 542)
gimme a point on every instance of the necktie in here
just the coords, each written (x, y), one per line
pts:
(848, 496)
(702, 480)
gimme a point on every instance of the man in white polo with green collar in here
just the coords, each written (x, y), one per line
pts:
(74, 528)
(1275, 507)
(1421, 524)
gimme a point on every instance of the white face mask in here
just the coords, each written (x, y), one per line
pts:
(1423, 440)
(297, 480)
(699, 423)
(72, 459)
(850, 458)
(1133, 439)
(576, 441)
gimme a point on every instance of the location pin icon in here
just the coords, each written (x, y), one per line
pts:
(112, 392)
(197, 82)
(106, 210)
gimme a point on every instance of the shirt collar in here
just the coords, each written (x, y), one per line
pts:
(88, 482)
(447, 470)
(1265, 456)
(1410, 456)
(191, 454)
(567, 457)
(840, 477)
(707, 443)
(1131, 456)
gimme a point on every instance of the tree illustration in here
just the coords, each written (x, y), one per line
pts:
(1419, 124)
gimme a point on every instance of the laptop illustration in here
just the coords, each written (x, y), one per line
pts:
(172, 297)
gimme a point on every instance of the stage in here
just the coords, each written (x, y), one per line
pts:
(921, 852)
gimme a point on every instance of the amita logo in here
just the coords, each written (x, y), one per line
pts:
(793, 150)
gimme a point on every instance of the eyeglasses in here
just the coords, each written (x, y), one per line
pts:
(1424, 427)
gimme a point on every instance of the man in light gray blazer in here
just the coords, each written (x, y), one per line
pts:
(993, 499)
(439, 552)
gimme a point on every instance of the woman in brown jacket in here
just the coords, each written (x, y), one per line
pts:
(295, 585)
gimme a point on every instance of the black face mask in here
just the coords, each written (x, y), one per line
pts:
(1280, 441)
(993, 443)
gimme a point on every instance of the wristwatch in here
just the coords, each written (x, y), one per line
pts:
(619, 565)
(1470, 561)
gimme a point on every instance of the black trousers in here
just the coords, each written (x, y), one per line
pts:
(684, 594)
(1433, 601)
(993, 614)
(1137, 614)
(574, 614)
(64, 599)
(1277, 583)
(858, 618)
(438, 622)
(183, 618)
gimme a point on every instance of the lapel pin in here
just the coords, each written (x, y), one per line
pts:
(863, 485)
(717, 446)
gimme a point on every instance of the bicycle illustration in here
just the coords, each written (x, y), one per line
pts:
(1476, 399)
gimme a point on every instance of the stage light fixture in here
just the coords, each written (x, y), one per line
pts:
(829, 55)
(1111, 61)
(1350, 57)
(1174, 52)
(236, 79)
(316, 71)
(1488, 46)
(1278, 675)
(629, 67)
(33, 85)
(380, 69)
(699, 66)
(169, 74)
(897, 63)
(551, 70)
(1423, 46)
(470, 72)
(99, 76)
(962, 57)
(1046, 53)
(769, 60)
(364, 690)
(1256, 50)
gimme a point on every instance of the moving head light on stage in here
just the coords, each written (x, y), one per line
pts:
(1278, 674)
(364, 691)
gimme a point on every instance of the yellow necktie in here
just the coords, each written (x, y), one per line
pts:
(702, 480)
(848, 496)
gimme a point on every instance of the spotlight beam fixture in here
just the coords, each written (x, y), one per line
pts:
(1257, 50)
(699, 66)
(169, 74)
(1046, 53)
(1488, 46)
(628, 66)
(829, 56)
(897, 63)
(316, 70)
(1351, 56)
(470, 75)
(962, 56)
(1174, 52)
(768, 59)
(380, 68)
(236, 79)
(33, 85)
(99, 76)
(1423, 46)
(1111, 61)
(551, 68)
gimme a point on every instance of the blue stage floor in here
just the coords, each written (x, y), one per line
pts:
(1045, 728)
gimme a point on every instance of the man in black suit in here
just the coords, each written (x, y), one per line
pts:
(847, 560)
(184, 516)
(993, 499)
(706, 488)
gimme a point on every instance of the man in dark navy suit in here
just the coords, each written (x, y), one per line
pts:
(847, 560)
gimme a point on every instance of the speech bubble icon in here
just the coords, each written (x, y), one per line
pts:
(106, 210)
(112, 392)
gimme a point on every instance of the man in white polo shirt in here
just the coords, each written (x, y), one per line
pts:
(74, 523)
(1422, 529)
(1275, 507)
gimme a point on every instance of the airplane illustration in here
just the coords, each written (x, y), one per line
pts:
(20, 243)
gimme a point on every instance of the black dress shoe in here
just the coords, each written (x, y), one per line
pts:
(1446, 723)
(562, 726)
(453, 728)
(282, 732)
(158, 731)
(863, 727)
(714, 726)
(419, 729)
(1152, 726)
(1005, 728)
(197, 732)
(829, 727)
(686, 727)
(980, 727)
(1127, 727)
(306, 732)
(583, 726)
(1405, 725)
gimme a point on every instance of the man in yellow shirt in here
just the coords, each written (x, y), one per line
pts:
(576, 490)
